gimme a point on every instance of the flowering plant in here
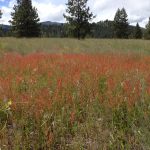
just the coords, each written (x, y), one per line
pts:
(5, 107)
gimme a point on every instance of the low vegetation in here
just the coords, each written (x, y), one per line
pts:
(74, 101)
(74, 94)
(57, 45)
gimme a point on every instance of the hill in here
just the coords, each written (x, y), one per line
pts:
(47, 23)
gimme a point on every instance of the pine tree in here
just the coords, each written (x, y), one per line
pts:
(1, 14)
(121, 24)
(78, 17)
(1, 25)
(147, 31)
(25, 20)
(138, 32)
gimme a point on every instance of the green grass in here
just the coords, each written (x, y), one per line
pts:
(42, 108)
(57, 45)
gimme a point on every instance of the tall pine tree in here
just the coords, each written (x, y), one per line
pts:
(1, 14)
(121, 24)
(1, 25)
(138, 32)
(147, 31)
(25, 20)
(78, 17)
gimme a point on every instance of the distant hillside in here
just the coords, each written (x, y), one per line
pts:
(47, 23)
(5, 30)
(5, 27)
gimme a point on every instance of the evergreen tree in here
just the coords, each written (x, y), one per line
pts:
(147, 31)
(25, 20)
(1, 30)
(0, 14)
(121, 24)
(138, 32)
(78, 17)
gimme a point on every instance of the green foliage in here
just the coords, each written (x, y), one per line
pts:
(138, 32)
(102, 85)
(25, 23)
(54, 30)
(121, 24)
(121, 123)
(83, 124)
(0, 25)
(4, 113)
(147, 32)
(25, 20)
(102, 29)
(1, 14)
(78, 17)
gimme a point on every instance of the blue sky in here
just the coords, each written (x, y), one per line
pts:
(52, 10)
(4, 2)
(58, 1)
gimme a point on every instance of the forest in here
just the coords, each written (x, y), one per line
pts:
(101, 29)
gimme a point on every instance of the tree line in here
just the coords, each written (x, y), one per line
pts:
(25, 22)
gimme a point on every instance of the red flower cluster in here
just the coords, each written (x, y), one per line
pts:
(39, 80)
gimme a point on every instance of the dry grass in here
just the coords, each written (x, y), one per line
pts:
(57, 45)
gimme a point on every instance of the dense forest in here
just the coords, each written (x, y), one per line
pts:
(102, 29)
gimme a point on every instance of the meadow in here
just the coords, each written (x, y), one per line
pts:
(65, 94)
(58, 45)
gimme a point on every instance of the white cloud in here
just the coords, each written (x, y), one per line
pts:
(6, 15)
(6, 10)
(138, 10)
(48, 11)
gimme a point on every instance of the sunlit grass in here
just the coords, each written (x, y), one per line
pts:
(57, 45)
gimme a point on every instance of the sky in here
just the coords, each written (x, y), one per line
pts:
(52, 10)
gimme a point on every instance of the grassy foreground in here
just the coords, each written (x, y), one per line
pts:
(65, 94)
(74, 101)
(56, 45)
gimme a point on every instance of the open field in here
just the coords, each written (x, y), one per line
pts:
(57, 45)
(92, 94)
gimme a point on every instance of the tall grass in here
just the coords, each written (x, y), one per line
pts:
(57, 45)
(74, 101)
